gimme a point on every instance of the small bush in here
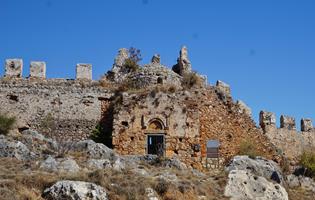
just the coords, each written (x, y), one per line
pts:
(6, 124)
(161, 186)
(308, 162)
(191, 80)
(248, 148)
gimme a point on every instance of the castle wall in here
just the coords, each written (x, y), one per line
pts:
(287, 139)
(67, 108)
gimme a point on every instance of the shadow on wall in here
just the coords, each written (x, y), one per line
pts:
(103, 131)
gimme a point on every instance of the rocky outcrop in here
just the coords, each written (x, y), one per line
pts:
(75, 190)
(258, 166)
(14, 149)
(244, 185)
(67, 165)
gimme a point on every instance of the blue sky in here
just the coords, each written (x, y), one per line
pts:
(265, 49)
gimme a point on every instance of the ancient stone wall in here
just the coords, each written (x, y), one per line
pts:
(225, 121)
(286, 138)
(69, 108)
(169, 114)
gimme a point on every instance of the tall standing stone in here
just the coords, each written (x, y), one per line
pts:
(84, 71)
(38, 70)
(13, 68)
(183, 63)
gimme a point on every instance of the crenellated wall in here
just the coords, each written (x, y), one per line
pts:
(68, 108)
(286, 138)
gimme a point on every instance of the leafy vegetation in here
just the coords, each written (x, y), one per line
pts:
(308, 162)
(132, 63)
(100, 135)
(247, 147)
(6, 124)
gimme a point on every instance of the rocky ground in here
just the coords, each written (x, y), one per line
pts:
(35, 167)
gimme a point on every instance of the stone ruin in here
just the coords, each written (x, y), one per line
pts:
(183, 64)
(77, 106)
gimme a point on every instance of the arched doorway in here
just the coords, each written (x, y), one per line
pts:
(156, 138)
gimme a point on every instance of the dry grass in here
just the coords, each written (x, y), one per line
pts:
(20, 180)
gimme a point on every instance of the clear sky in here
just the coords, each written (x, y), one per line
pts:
(265, 49)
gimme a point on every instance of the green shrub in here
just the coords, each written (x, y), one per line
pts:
(101, 135)
(308, 162)
(6, 124)
(131, 63)
(247, 147)
(191, 80)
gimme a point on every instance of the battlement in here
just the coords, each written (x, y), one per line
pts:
(268, 119)
(14, 69)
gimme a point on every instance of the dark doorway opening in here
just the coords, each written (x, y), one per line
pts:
(155, 144)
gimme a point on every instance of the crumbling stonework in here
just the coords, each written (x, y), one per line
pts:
(306, 125)
(169, 115)
(84, 71)
(13, 68)
(118, 71)
(183, 64)
(156, 59)
(38, 70)
(267, 120)
(287, 139)
(243, 108)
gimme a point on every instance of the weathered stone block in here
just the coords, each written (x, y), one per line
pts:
(38, 69)
(287, 122)
(267, 119)
(306, 125)
(223, 87)
(156, 59)
(13, 68)
(84, 71)
(243, 108)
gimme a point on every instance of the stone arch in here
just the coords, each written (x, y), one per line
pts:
(156, 124)
(160, 121)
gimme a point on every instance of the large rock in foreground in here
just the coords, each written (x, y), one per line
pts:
(75, 190)
(244, 185)
(258, 166)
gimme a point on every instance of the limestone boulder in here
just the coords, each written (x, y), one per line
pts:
(258, 166)
(94, 150)
(98, 163)
(14, 149)
(244, 185)
(75, 190)
(67, 165)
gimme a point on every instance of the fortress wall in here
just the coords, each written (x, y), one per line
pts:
(67, 108)
(289, 140)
